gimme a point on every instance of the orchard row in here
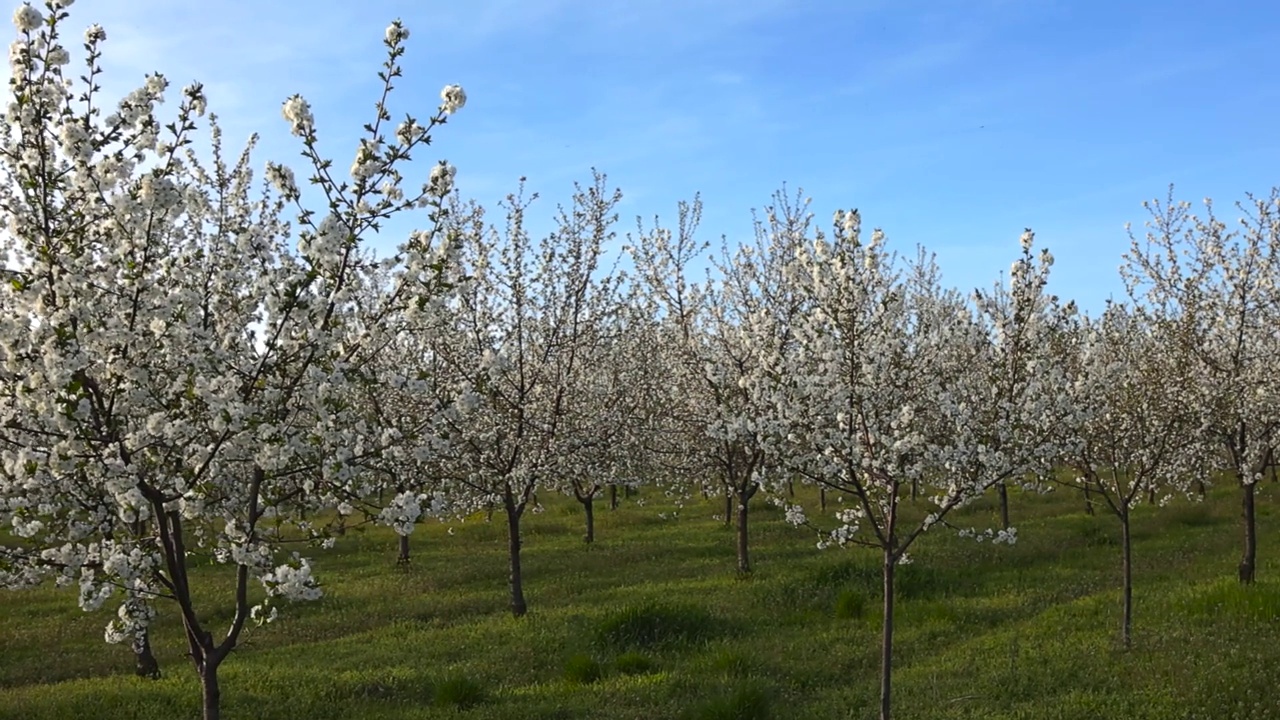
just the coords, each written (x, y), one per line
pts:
(199, 365)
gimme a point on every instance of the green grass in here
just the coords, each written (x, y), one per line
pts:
(653, 622)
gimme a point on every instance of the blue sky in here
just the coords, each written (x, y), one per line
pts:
(949, 124)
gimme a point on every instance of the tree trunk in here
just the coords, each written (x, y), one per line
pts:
(1088, 500)
(145, 662)
(791, 488)
(915, 489)
(886, 638)
(744, 560)
(1248, 562)
(728, 506)
(613, 497)
(518, 606)
(1004, 505)
(1201, 489)
(1126, 548)
(589, 507)
(403, 557)
(210, 692)
(822, 498)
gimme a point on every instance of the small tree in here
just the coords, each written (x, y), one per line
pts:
(529, 324)
(1216, 289)
(1131, 422)
(717, 416)
(890, 386)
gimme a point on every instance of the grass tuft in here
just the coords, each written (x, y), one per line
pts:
(1259, 601)
(850, 605)
(633, 663)
(744, 701)
(459, 691)
(654, 625)
(582, 670)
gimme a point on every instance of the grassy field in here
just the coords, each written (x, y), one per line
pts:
(651, 622)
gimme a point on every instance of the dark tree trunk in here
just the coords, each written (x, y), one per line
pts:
(744, 559)
(1088, 500)
(915, 489)
(886, 638)
(518, 606)
(589, 507)
(728, 507)
(1126, 548)
(403, 557)
(791, 488)
(1248, 562)
(210, 692)
(1201, 489)
(145, 662)
(822, 498)
(613, 497)
(1151, 495)
(1003, 491)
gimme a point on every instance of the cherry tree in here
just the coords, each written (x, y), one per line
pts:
(889, 385)
(606, 428)
(531, 320)
(718, 420)
(176, 355)
(1217, 288)
(403, 483)
(1131, 422)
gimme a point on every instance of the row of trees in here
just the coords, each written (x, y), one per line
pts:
(190, 373)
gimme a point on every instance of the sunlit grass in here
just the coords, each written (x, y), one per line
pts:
(652, 622)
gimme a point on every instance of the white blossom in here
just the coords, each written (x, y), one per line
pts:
(26, 18)
(452, 99)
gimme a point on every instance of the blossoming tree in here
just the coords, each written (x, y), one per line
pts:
(1130, 424)
(890, 385)
(714, 348)
(1218, 288)
(531, 318)
(175, 367)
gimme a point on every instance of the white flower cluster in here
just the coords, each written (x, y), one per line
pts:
(997, 537)
(298, 112)
(452, 99)
(402, 512)
(292, 582)
(441, 182)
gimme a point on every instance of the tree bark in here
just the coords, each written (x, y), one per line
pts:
(210, 692)
(1003, 492)
(822, 498)
(613, 497)
(518, 605)
(145, 662)
(1088, 500)
(744, 559)
(728, 506)
(589, 507)
(886, 639)
(1248, 562)
(403, 557)
(1126, 548)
